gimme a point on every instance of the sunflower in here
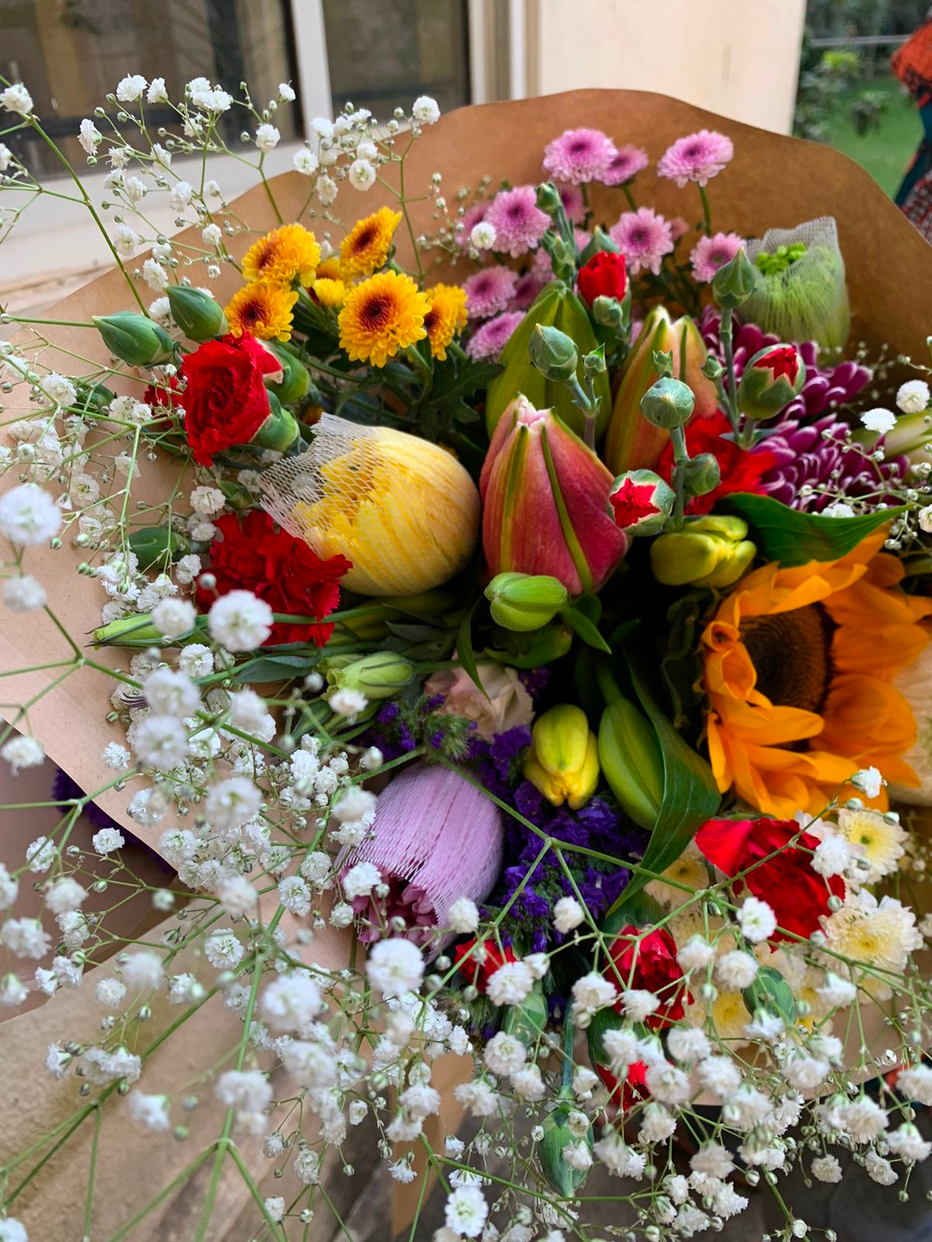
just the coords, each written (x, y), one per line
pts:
(798, 665)
(329, 292)
(262, 310)
(285, 253)
(382, 315)
(365, 247)
(446, 317)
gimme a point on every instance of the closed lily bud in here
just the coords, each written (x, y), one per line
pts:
(563, 762)
(632, 442)
(668, 403)
(710, 551)
(629, 754)
(553, 353)
(640, 502)
(734, 282)
(403, 510)
(377, 676)
(199, 316)
(135, 338)
(523, 602)
(770, 381)
(544, 494)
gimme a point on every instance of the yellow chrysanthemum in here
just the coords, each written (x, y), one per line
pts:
(282, 255)
(686, 876)
(446, 317)
(878, 841)
(329, 269)
(382, 315)
(329, 292)
(262, 310)
(365, 247)
(798, 666)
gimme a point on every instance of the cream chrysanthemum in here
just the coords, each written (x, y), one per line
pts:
(686, 876)
(879, 935)
(879, 841)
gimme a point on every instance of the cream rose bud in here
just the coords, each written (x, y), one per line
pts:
(505, 704)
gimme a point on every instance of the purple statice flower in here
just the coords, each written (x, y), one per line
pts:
(627, 163)
(573, 203)
(470, 218)
(535, 680)
(696, 157)
(643, 238)
(711, 253)
(518, 222)
(65, 790)
(579, 155)
(489, 291)
(526, 291)
(493, 336)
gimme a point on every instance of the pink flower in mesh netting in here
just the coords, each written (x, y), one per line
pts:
(435, 838)
(643, 238)
(579, 155)
(711, 253)
(489, 291)
(626, 164)
(518, 222)
(494, 335)
(696, 158)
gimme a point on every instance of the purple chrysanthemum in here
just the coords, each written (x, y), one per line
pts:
(579, 155)
(696, 158)
(643, 238)
(471, 217)
(518, 222)
(526, 290)
(628, 162)
(711, 253)
(494, 335)
(489, 291)
(573, 203)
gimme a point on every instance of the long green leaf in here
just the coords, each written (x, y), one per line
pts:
(793, 538)
(464, 649)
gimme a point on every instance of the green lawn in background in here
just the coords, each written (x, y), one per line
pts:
(884, 152)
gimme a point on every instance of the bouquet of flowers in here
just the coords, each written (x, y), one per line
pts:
(497, 623)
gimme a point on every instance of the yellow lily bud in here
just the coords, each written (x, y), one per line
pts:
(709, 551)
(563, 762)
(403, 510)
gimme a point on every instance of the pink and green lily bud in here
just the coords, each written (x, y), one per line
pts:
(640, 502)
(770, 381)
(632, 443)
(544, 496)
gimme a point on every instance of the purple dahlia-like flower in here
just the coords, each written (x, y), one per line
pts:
(573, 203)
(711, 253)
(643, 238)
(489, 291)
(628, 162)
(518, 222)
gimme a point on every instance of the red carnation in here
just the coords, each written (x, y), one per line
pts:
(781, 360)
(740, 470)
(625, 1094)
(786, 881)
(649, 963)
(253, 556)
(478, 972)
(604, 276)
(225, 399)
(632, 502)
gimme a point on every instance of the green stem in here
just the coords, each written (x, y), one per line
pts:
(680, 460)
(727, 338)
(706, 214)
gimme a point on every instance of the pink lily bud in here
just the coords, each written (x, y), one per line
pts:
(435, 838)
(545, 497)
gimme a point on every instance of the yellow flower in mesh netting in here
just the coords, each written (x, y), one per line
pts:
(329, 292)
(404, 511)
(382, 315)
(446, 317)
(366, 246)
(261, 310)
(283, 255)
(798, 666)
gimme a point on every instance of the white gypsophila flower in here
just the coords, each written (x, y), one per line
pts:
(6, 157)
(567, 914)
(736, 970)
(925, 519)
(322, 127)
(908, 1144)
(639, 1003)
(101, 1067)
(832, 856)
(291, 1002)
(620, 1159)
(40, 854)
(89, 136)
(135, 189)
(826, 1169)
(174, 617)
(371, 759)
(719, 1076)
(58, 389)
(688, 1043)
(237, 896)
(838, 509)
(154, 275)
(9, 887)
(395, 966)
(804, 1073)
(466, 1211)
(915, 1083)
(657, 1125)
(879, 1170)
(28, 515)
(346, 702)
(171, 693)
(912, 397)
(65, 894)
(577, 1156)
(16, 99)
(110, 991)
(712, 1160)
(247, 711)
(361, 175)
(161, 742)
(124, 241)
(510, 984)
(286, 92)
(130, 88)
(863, 1120)
(22, 752)
(695, 954)
(13, 992)
(239, 621)
(879, 420)
(327, 190)
(23, 594)
(355, 803)
(142, 969)
(196, 659)
(157, 92)
(621, 1047)
(505, 1054)
(246, 1090)
(187, 568)
(360, 880)
(463, 916)
(150, 1111)
(267, 137)
(756, 919)
(528, 1084)
(316, 868)
(106, 840)
(668, 1084)
(13, 1230)
(212, 235)
(207, 501)
(425, 110)
(25, 938)
(593, 991)
(868, 781)
(305, 162)
(295, 895)
(182, 192)
(223, 950)
(482, 236)
(341, 915)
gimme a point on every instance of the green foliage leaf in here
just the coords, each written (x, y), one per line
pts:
(274, 668)
(771, 991)
(465, 651)
(580, 624)
(793, 538)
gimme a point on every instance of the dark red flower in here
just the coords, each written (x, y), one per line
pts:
(649, 963)
(225, 399)
(781, 874)
(253, 556)
(603, 276)
(781, 360)
(627, 1093)
(633, 501)
(478, 972)
(740, 470)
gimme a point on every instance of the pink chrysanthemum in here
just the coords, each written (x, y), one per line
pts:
(526, 290)
(494, 335)
(627, 163)
(541, 265)
(579, 155)
(489, 291)
(696, 157)
(518, 222)
(573, 203)
(678, 228)
(470, 218)
(711, 253)
(643, 237)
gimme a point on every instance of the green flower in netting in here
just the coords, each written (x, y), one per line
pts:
(800, 293)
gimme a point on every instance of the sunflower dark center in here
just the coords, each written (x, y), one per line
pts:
(375, 313)
(791, 654)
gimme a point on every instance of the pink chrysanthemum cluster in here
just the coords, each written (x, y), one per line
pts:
(696, 158)
(628, 162)
(494, 335)
(644, 238)
(518, 222)
(489, 291)
(579, 155)
(711, 253)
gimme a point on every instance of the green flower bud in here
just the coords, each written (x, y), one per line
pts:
(296, 379)
(770, 381)
(712, 369)
(668, 403)
(156, 545)
(640, 501)
(553, 353)
(134, 631)
(663, 362)
(525, 602)
(702, 474)
(562, 1177)
(608, 312)
(734, 283)
(237, 496)
(599, 241)
(548, 645)
(563, 762)
(594, 363)
(135, 338)
(280, 429)
(548, 198)
(709, 551)
(199, 316)
(377, 676)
